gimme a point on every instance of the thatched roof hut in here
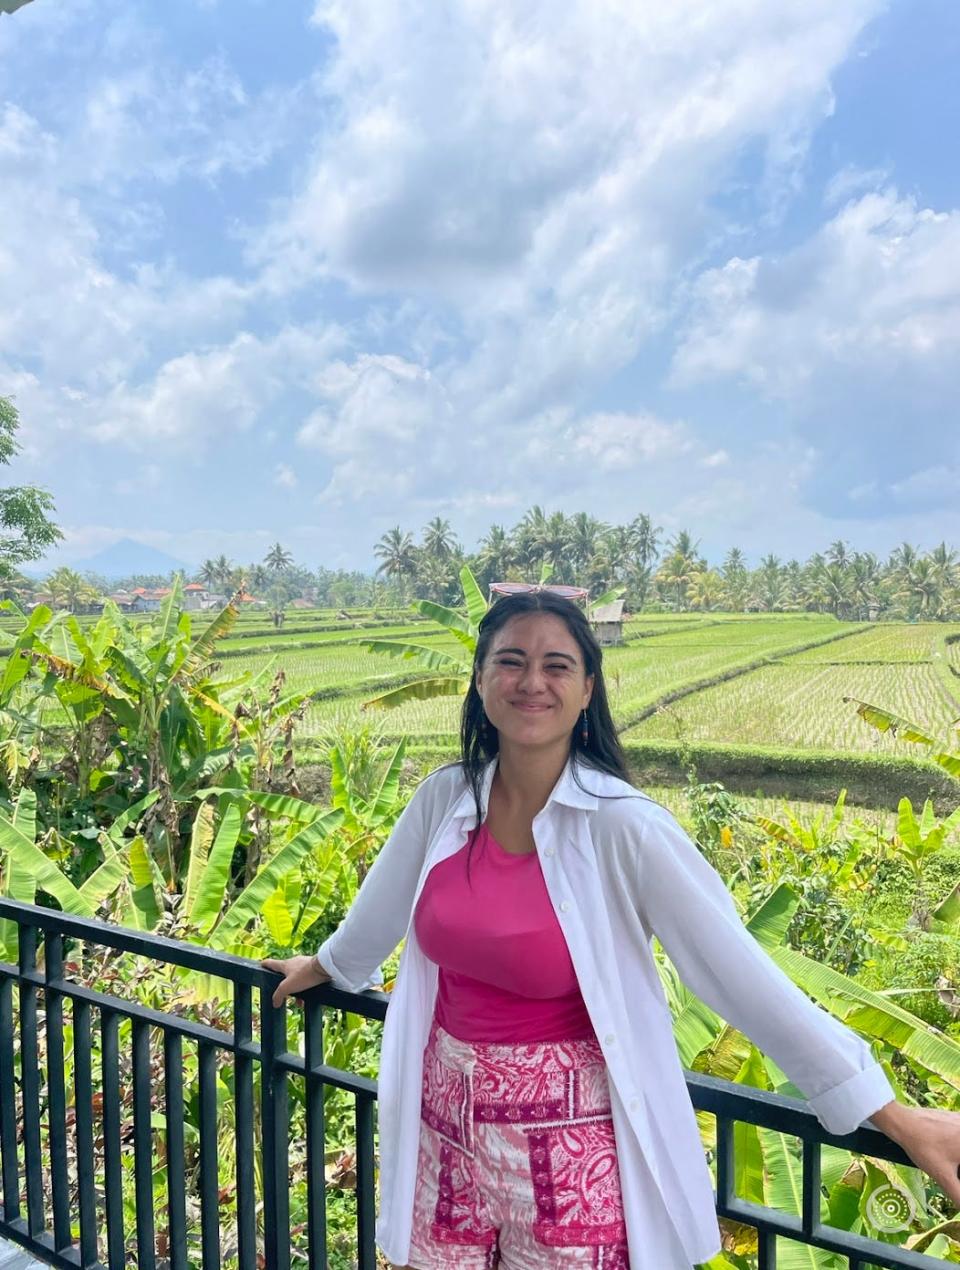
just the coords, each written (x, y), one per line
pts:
(607, 622)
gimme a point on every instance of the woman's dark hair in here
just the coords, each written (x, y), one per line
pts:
(479, 744)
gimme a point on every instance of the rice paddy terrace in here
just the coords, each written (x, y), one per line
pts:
(775, 681)
(764, 680)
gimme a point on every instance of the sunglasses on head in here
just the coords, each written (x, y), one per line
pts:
(524, 588)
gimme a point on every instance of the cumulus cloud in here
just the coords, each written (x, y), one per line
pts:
(542, 174)
(878, 284)
(855, 334)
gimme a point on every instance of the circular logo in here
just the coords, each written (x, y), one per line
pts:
(890, 1207)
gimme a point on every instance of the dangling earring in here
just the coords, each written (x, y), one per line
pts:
(483, 727)
(585, 729)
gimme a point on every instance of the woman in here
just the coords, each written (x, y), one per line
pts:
(533, 1111)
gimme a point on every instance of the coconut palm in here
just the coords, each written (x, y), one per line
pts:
(69, 589)
(278, 559)
(706, 590)
(839, 553)
(397, 555)
(922, 586)
(497, 555)
(439, 540)
(224, 572)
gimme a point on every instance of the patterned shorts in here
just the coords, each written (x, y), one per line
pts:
(518, 1164)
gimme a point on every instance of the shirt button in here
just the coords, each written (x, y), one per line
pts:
(634, 1104)
(548, 852)
(610, 1038)
(565, 906)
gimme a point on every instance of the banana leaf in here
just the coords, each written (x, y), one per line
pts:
(473, 596)
(208, 897)
(249, 903)
(429, 658)
(419, 690)
(144, 908)
(874, 1015)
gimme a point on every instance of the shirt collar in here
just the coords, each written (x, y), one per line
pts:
(566, 790)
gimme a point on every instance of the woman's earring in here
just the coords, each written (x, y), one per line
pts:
(483, 726)
(585, 729)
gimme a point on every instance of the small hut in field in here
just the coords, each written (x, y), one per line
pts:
(607, 622)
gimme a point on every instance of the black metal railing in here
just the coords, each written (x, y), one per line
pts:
(110, 1077)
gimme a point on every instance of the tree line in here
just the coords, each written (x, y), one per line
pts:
(658, 572)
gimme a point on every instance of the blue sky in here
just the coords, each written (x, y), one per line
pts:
(304, 271)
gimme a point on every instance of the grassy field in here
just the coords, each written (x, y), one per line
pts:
(798, 700)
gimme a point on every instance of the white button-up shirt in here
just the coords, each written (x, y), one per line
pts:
(618, 870)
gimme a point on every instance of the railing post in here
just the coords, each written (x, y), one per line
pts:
(176, 1171)
(243, 1128)
(9, 1161)
(30, 1081)
(143, 1147)
(53, 967)
(274, 1110)
(315, 1092)
(112, 1168)
(83, 1103)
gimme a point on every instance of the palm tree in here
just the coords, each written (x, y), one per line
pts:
(209, 573)
(439, 540)
(864, 580)
(583, 535)
(259, 577)
(839, 553)
(706, 590)
(397, 555)
(831, 586)
(735, 577)
(224, 572)
(70, 590)
(529, 536)
(921, 584)
(278, 559)
(497, 555)
(645, 536)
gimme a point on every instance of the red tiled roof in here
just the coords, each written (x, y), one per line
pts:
(194, 586)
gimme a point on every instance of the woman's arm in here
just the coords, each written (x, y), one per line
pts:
(377, 920)
(686, 904)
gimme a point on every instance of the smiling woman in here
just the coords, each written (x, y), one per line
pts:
(533, 1110)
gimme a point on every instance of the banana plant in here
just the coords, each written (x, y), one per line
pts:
(26, 869)
(454, 668)
(917, 838)
(768, 1165)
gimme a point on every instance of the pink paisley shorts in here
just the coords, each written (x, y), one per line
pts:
(518, 1163)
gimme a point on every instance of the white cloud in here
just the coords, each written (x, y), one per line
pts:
(196, 396)
(877, 286)
(284, 476)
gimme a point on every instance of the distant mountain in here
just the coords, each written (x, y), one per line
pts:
(127, 557)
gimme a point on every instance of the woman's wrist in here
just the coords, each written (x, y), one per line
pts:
(891, 1118)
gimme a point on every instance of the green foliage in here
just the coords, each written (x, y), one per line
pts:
(463, 629)
(26, 530)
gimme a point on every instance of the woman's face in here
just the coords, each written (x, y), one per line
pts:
(533, 681)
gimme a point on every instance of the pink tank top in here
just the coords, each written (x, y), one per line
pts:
(505, 972)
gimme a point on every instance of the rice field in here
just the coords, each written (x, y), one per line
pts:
(794, 704)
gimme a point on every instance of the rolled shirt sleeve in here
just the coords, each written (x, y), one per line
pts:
(686, 904)
(379, 915)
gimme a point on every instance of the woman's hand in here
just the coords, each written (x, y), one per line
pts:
(930, 1137)
(299, 974)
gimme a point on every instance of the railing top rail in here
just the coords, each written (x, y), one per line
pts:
(176, 952)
